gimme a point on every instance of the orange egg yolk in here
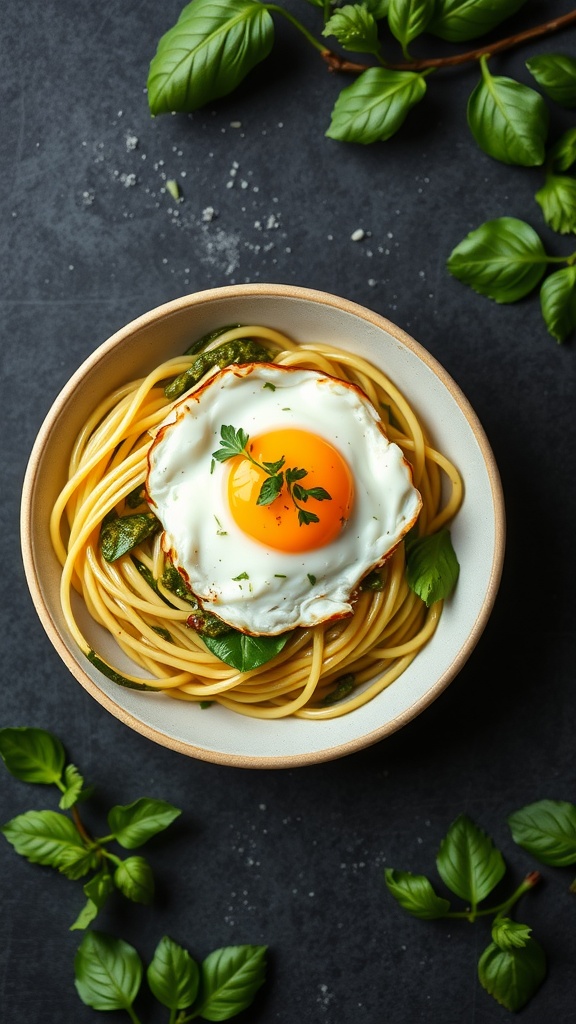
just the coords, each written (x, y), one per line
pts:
(277, 524)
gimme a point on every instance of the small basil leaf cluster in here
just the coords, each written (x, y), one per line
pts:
(109, 971)
(109, 974)
(62, 841)
(504, 259)
(513, 966)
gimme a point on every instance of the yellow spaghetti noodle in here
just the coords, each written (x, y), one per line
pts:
(149, 623)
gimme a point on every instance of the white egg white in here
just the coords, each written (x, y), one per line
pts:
(256, 589)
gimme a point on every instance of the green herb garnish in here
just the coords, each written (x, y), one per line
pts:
(119, 534)
(63, 842)
(431, 566)
(513, 966)
(242, 350)
(235, 442)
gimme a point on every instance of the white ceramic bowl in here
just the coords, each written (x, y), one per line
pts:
(478, 531)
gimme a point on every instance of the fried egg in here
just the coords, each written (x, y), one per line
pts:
(278, 532)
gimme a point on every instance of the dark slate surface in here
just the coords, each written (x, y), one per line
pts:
(291, 858)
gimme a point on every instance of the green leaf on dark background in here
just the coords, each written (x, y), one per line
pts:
(108, 972)
(231, 976)
(508, 120)
(503, 259)
(32, 755)
(557, 199)
(173, 976)
(512, 976)
(415, 894)
(459, 20)
(558, 302)
(51, 839)
(547, 830)
(355, 28)
(207, 53)
(407, 19)
(556, 75)
(375, 106)
(468, 862)
(134, 824)
(133, 877)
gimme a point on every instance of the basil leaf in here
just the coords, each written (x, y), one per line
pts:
(563, 152)
(556, 75)
(558, 302)
(108, 972)
(32, 755)
(244, 652)
(378, 8)
(133, 877)
(134, 824)
(432, 568)
(508, 120)
(49, 838)
(503, 259)
(122, 533)
(375, 106)
(355, 29)
(512, 976)
(468, 862)
(508, 934)
(408, 19)
(207, 53)
(415, 894)
(557, 198)
(173, 976)
(231, 976)
(74, 786)
(458, 20)
(547, 830)
(97, 889)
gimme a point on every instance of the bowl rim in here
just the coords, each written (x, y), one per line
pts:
(269, 290)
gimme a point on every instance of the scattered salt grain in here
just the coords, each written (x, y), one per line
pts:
(208, 214)
(132, 142)
(357, 235)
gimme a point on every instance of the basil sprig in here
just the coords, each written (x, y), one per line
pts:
(109, 974)
(513, 966)
(62, 841)
(504, 259)
(109, 971)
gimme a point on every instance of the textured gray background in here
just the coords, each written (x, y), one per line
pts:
(292, 858)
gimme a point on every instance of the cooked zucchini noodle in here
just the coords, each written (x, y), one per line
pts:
(373, 646)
